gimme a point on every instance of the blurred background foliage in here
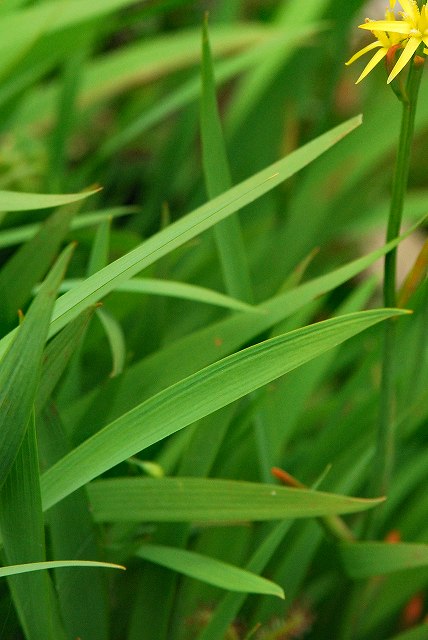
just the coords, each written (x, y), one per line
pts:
(108, 93)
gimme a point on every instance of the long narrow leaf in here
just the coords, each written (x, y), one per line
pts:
(29, 567)
(20, 368)
(210, 570)
(101, 283)
(82, 597)
(173, 289)
(219, 339)
(13, 201)
(22, 530)
(368, 559)
(30, 262)
(10, 237)
(57, 355)
(227, 233)
(198, 396)
(190, 90)
(212, 500)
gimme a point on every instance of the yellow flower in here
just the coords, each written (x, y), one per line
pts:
(385, 40)
(411, 30)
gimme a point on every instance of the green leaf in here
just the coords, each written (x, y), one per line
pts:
(190, 90)
(173, 289)
(100, 248)
(57, 355)
(116, 340)
(13, 201)
(21, 517)
(10, 237)
(209, 570)
(20, 368)
(198, 396)
(30, 262)
(83, 597)
(227, 233)
(162, 243)
(215, 341)
(231, 603)
(154, 58)
(416, 633)
(256, 84)
(211, 500)
(22, 530)
(21, 29)
(368, 559)
(112, 329)
(29, 567)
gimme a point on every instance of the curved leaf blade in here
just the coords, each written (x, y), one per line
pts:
(20, 368)
(209, 570)
(201, 219)
(198, 396)
(368, 559)
(15, 201)
(162, 243)
(174, 289)
(28, 567)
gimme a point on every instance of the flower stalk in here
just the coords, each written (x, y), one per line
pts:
(402, 42)
(384, 457)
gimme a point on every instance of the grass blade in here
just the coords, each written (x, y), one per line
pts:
(215, 341)
(210, 500)
(116, 340)
(368, 559)
(29, 264)
(198, 396)
(82, 597)
(190, 90)
(173, 289)
(13, 201)
(209, 570)
(29, 567)
(227, 233)
(22, 529)
(10, 237)
(20, 368)
(229, 606)
(21, 517)
(57, 355)
(159, 245)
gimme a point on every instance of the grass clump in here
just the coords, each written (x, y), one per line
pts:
(192, 373)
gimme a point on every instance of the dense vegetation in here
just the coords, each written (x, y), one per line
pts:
(190, 383)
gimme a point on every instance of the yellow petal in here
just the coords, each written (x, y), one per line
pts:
(383, 38)
(360, 53)
(378, 56)
(411, 8)
(423, 22)
(393, 26)
(408, 52)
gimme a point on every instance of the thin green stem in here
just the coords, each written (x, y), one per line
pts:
(384, 458)
(400, 180)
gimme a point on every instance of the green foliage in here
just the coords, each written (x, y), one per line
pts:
(210, 319)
